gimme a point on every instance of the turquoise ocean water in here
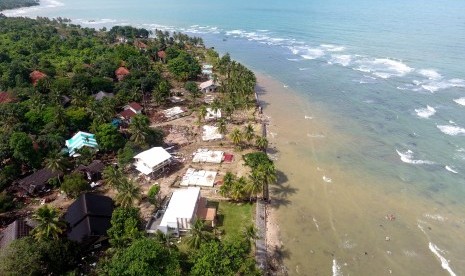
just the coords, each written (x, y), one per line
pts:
(391, 74)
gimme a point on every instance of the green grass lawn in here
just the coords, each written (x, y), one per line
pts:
(233, 217)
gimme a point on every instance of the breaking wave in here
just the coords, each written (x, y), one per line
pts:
(451, 130)
(460, 101)
(425, 112)
(444, 263)
(407, 157)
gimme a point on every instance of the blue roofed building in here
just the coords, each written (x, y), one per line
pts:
(80, 140)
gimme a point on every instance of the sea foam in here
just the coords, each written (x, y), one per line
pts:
(425, 112)
(343, 60)
(451, 130)
(407, 157)
(460, 101)
(450, 169)
(383, 67)
(336, 268)
(430, 74)
(444, 263)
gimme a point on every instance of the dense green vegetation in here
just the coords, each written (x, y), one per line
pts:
(14, 4)
(45, 62)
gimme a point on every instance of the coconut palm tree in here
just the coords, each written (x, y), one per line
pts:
(249, 133)
(56, 162)
(250, 233)
(139, 130)
(269, 175)
(236, 137)
(238, 188)
(128, 192)
(197, 235)
(49, 224)
(221, 126)
(228, 182)
(261, 142)
(113, 176)
(255, 184)
(202, 113)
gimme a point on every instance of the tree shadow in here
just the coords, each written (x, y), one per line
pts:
(271, 150)
(281, 177)
(283, 191)
(277, 202)
(260, 90)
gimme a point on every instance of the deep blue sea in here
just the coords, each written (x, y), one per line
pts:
(391, 75)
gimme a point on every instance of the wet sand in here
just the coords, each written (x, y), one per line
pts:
(335, 220)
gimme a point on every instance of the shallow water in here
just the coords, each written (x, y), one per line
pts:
(367, 117)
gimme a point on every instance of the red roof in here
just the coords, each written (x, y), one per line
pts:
(5, 97)
(121, 73)
(36, 76)
(140, 44)
(127, 114)
(161, 54)
(135, 106)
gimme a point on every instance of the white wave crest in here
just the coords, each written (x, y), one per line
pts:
(336, 269)
(435, 85)
(460, 101)
(425, 112)
(451, 130)
(444, 263)
(450, 169)
(435, 217)
(383, 67)
(332, 48)
(343, 60)
(316, 224)
(327, 179)
(312, 53)
(430, 74)
(407, 157)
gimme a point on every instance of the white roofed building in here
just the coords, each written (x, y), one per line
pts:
(152, 160)
(181, 211)
(208, 86)
(212, 114)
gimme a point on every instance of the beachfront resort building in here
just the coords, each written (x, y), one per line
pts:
(207, 71)
(37, 183)
(211, 133)
(181, 211)
(79, 140)
(208, 86)
(101, 95)
(129, 111)
(121, 73)
(89, 218)
(16, 230)
(152, 160)
(212, 114)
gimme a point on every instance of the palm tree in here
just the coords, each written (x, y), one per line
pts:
(236, 136)
(228, 181)
(56, 162)
(197, 235)
(269, 176)
(221, 126)
(261, 142)
(139, 129)
(249, 133)
(202, 113)
(250, 233)
(238, 188)
(112, 176)
(128, 192)
(49, 224)
(255, 184)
